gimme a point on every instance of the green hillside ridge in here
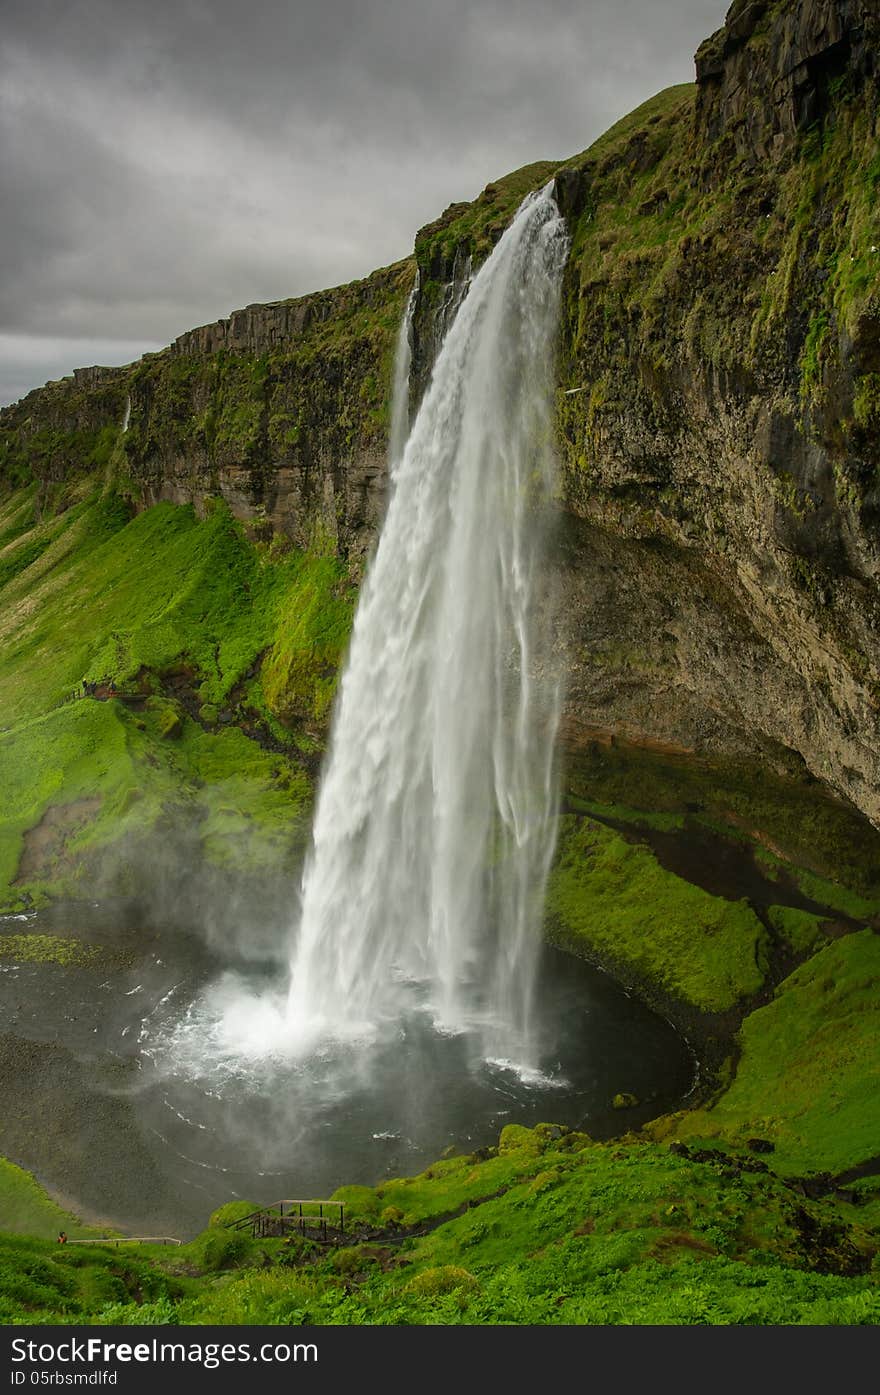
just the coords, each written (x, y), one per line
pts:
(809, 1071)
(254, 633)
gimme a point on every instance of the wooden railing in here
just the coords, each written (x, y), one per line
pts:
(325, 1224)
(126, 1240)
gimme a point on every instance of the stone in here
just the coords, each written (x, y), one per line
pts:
(760, 1145)
(624, 1100)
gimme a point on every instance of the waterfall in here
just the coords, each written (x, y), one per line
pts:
(434, 825)
(126, 415)
(400, 387)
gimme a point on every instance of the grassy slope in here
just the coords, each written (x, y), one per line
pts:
(25, 1208)
(98, 594)
(612, 900)
(809, 1075)
(558, 1230)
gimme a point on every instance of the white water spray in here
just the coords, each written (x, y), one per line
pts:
(126, 415)
(434, 826)
(400, 387)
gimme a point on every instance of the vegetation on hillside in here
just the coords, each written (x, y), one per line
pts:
(225, 654)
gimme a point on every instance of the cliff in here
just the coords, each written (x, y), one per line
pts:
(723, 321)
(718, 405)
(281, 410)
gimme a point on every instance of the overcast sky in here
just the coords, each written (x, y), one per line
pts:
(163, 162)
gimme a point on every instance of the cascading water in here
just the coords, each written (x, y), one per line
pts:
(400, 388)
(421, 901)
(434, 825)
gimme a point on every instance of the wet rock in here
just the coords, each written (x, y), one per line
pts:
(814, 1186)
(624, 1100)
(760, 1145)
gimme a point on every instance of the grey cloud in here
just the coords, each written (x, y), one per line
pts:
(163, 163)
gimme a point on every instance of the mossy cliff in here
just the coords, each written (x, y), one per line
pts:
(281, 411)
(718, 378)
(722, 458)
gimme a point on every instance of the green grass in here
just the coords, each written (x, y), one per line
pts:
(125, 593)
(55, 949)
(795, 826)
(809, 1073)
(258, 636)
(557, 1231)
(800, 930)
(610, 899)
(41, 1282)
(27, 1210)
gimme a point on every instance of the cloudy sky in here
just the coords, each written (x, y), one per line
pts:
(163, 162)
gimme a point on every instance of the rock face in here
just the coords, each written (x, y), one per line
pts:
(281, 410)
(771, 71)
(718, 404)
(722, 457)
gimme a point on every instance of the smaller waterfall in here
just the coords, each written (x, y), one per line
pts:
(126, 415)
(400, 388)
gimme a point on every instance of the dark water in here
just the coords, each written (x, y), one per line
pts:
(133, 1119)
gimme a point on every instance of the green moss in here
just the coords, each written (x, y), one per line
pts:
(813, 351)
(800, 930)
(232, 1211)
(257, 640)
(612, 900)
(514, 1138)
(446, 1278)
(166, 717)
(53, 949)
(447, 1185)
(866, 402)
(314, 616)
(219, 1248)
(809, 1071)
(794, 825)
